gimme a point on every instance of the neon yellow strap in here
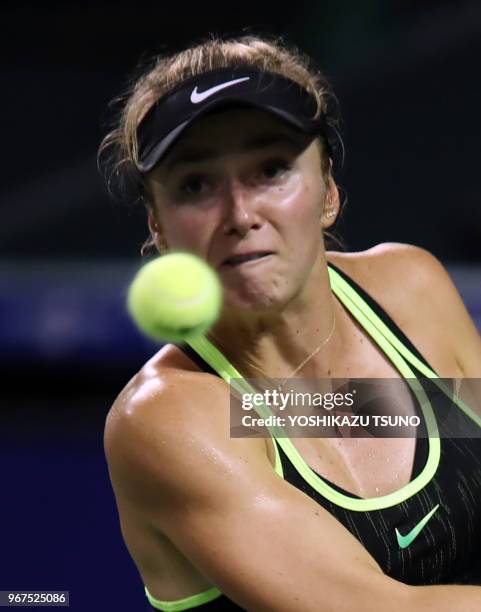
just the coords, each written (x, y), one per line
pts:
(217, 361)
(186, 603)
(232, 377)
(338, 282)
(363, 505)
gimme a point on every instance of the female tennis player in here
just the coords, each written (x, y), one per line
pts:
(230, 144)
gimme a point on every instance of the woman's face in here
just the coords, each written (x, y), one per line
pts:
(242, 183)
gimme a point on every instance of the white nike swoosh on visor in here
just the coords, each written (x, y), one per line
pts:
(196, 97)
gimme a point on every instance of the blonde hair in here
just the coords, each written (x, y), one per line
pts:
(118, 152)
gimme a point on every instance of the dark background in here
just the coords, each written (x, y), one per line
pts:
(407, 78)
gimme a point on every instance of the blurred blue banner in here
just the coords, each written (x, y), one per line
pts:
(76, 312)
(68, 313)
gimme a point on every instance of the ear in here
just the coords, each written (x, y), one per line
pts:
(156, 232)
(331, 203)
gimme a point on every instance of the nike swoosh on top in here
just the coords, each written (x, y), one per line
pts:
(406, 540)
(196, 97)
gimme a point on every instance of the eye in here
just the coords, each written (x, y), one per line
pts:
(275, 168)
(194, 185)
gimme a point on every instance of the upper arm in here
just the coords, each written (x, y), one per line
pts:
(261, 541)
(464, 335)
(423, 288)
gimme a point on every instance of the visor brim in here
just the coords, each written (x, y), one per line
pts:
(159, 150)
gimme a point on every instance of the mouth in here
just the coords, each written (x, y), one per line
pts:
(238, 260)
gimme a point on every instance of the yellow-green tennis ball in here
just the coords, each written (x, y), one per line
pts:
(175, 297)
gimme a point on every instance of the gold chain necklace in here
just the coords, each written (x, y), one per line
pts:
(303, 363)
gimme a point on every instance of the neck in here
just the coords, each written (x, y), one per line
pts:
(276, 342)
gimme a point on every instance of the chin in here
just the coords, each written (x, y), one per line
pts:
(254, 299)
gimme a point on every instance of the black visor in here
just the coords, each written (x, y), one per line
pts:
(197, 96)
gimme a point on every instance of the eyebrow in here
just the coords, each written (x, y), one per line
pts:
(192, 155)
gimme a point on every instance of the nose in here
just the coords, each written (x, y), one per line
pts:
(241, 215)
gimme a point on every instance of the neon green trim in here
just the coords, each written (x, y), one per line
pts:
(340, 284)
(398, 354)
(361, 505)
(186, 603)
(232, 377)
(216, 360)
(386, 501)
(278, 463)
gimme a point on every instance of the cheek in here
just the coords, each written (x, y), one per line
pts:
(303, 193)
(302, 219)
(309, 239)
(187, 229)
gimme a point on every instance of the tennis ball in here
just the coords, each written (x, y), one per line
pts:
(175, 297)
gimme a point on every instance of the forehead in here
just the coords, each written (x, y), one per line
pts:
(231, 130)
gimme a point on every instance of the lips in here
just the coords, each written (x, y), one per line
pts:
(235, 260)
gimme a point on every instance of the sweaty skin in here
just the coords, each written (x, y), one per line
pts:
(198, 508)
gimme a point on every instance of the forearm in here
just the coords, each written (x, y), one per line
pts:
(445, 598)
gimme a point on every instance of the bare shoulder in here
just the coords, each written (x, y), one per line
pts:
(168, 390)
(416, 291)
(392, 262)
(232, 520)
(169, 420)
(394, 272)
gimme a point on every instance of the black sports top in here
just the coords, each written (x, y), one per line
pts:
(429, 531)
